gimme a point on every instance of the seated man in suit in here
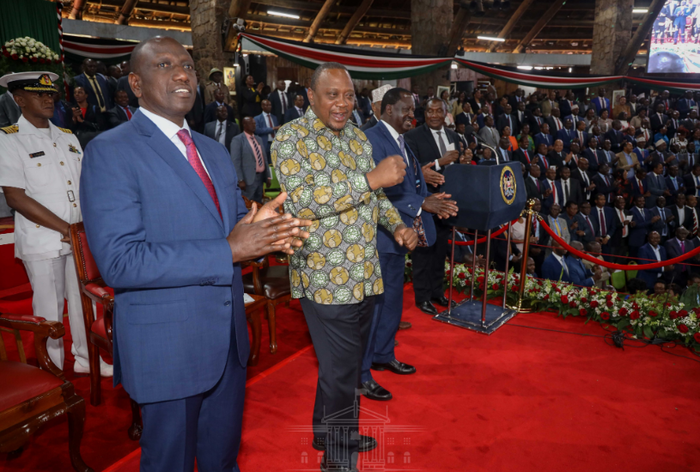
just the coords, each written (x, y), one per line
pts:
(222, 130)
(648, 254)
(506, 119)
(266, 125)
(95, 86)
(642, 221)
(504, 155)
(250, 159)
(554, 266)
(578, 273)
(210, 109)
(584, 178)
(677, 247)
(541, 158)
(550, 192)
(296, 111)
(122, 111)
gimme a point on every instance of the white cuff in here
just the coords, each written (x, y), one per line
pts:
(437, 166)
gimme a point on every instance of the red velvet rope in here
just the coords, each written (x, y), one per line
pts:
(610, 265)
(483, 240)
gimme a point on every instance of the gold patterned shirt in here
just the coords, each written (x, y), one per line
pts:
(325, 177)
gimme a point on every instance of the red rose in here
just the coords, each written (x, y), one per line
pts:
(605, 315)
(461, 275)
(582, 312)
(572, 304)
(408, 264)
(14, 57)
(5, 52)
(623, 311)
(34, 59)
(673, 315)
(682, 313)
(635, 306)
(682, 328)
(480, 279)
(41, 60)
(494, 286)
(609, 303)
(24, 59)
(653, 314)
(608, 297)
(594, 303)
(481, 286)
(696, 310)
(564, 299)
(546, 297)
(584, 300)
(634, 315)
(696, 336)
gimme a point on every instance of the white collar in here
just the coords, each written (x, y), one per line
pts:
(559, 258)
(167, 127)
(392, 131)
(435, 131)
(25, 127)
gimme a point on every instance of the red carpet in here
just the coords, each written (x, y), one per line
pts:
(520, 400)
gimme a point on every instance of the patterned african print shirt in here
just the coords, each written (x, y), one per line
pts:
(324, 175)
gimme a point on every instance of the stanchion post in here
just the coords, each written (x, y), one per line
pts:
(505, 282)
(452, 272)
(526, 249)
(486, 279)
(476, 237)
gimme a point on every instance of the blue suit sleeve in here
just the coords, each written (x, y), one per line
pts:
(117, 236)
(261, 127)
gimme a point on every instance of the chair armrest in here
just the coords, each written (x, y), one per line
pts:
(256, 264)
(43, 330)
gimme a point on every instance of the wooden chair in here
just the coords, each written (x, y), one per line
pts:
(252, 313)
(31, 396)
(99, 330)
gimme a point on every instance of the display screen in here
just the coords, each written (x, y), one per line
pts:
(674, 44)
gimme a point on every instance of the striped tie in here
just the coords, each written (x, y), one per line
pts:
(258, 153)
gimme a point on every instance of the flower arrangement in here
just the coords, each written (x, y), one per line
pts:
(29, 50)
(641, 315)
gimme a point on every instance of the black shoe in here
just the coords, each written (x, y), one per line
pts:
(395, 367)
(428, 308)
(443, 301)
(328, 467)
(367, 443)
(374, 391)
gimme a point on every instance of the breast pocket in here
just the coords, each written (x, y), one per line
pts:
(39, 173)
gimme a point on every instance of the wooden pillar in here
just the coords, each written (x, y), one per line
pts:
(320, 16)
(612, 30)
(77, 12)
(431, 25)
(206, 18)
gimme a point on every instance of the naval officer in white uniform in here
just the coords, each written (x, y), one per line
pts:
(39, 175)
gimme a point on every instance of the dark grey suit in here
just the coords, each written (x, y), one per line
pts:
(243, 157)
(9, 110)
(117, 116)
(232, 130)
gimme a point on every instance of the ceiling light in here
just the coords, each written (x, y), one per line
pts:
(640, 10)
(279, 13)
(525, 67)
(454, 65)
(491, 38)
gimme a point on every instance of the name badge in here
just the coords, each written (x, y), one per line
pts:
(37, 154)
(71, 196)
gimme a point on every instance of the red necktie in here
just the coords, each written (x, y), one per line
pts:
(601, 220)
(197, 165)
(545, 162)
(554, 191)
(641, 187)
(128, 113)
(624, 227)
(526, 156)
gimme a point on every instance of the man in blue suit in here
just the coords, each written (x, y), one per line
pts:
(296, 111)
(650, 252)
(578, 274)
(412, 200)
(554, 267)
(642, 220)
(96, 86)
(600, 102)
(567, 134)
(266, 125)
(544, 137)
(168, 229)
(603, 218)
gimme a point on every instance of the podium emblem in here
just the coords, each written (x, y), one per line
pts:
(508, 185)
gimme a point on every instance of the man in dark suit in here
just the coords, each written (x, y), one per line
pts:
(692, 181)
(604, 184)
(409, 198)
(555, 122)
(656, 184)
(95, 86)
(584, 178)
(674, 184)
(536, 121)
(222, 130)
(522, 154)
(676, 247)
(429, 143)
(604, 222)
(642, 220)
(567, 134)
(619, 241)
(364, 102)
(616, 137)
(506, 119)
(195, 117)
(578, 274)
(681, 215)
(280, 101)
(543, 137)
(662, 226)
(250, 158)
(533, 185)
(585, 229)
(571, 188)
(502, 152)
(658, 119)
(170, 243)
(121, 112)
(296, 111)
(648, 254)
(210, 110)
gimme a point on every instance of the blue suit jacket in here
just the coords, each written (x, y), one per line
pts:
(262, 128)
(638, 234)
(578, 274)
(596, 103)
(553, 270)
(543, 138)
(646, 256)
(159, 241)
(566, 136)
(406, 197)
(608, 215)
(82, 80)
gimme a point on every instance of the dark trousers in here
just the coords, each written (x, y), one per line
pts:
(339, 334)
(206, 426)
(619, 250)
(386, 316)
(429, 266)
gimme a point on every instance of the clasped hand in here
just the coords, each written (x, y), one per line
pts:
(263, 231)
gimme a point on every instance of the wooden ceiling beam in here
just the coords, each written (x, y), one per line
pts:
(459, 24)
(77, 12)
(320, 17)
(145, 6)
(549, 14)
(354, 20)
(125, 12)
(514, 18)
(239, 8)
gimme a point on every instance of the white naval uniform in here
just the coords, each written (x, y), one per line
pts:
(46, 164)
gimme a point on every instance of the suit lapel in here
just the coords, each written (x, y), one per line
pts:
(432, 142)
(167, 151)
(216, 179)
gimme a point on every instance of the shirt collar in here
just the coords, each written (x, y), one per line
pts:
(392, 131)
(167, 127)
(435, 131)
(25, 127)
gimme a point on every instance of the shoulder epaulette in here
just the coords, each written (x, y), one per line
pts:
(65, 130)
(10, 129)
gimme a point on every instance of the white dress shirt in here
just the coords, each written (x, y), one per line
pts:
(170, 130)
(221, 128)
(436, 137)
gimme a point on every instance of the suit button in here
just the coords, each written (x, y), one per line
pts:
(70, 183)
(62, 163)
(227, 303)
